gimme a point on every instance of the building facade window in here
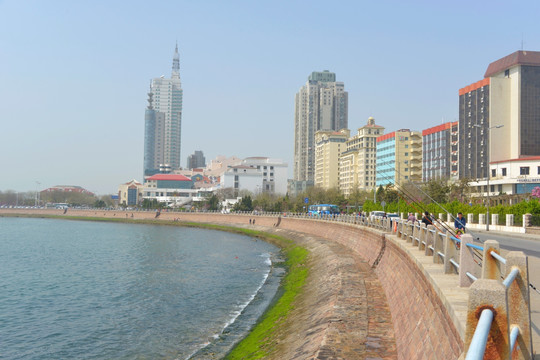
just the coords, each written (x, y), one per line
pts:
(503, 171)
(524, 170)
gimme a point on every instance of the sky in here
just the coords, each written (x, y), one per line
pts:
(74, 75)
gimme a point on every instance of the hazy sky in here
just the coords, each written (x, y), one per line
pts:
(74, 75)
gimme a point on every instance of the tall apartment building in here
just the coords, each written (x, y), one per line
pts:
(399, 158)
(439, 152)
(328, 147)
(508, 96)
(196, 160)
(321, 104)
(499, 125)
(163, 121)
(357, 164)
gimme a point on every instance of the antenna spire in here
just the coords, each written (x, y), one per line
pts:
(176, 63)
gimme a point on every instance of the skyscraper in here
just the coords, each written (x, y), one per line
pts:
(163, 121)
(321, 104)
(196, 160)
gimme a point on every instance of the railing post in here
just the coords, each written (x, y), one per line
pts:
(491, 267)
(450, 252)
(509, 219)
(406, 229)
(466, 261)
(470, 218)
(437, 247)
(527, 220)
(489, 294)
(422, 237)
(481, 219)
(430, 237)
(519, 312)
(414, 234)
(494, 219)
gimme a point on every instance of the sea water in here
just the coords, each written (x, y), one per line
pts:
(97, 290)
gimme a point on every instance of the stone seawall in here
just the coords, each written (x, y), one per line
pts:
(423, 327)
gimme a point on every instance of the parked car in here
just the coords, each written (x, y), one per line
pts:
(377, 214)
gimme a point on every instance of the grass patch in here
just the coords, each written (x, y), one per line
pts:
(260, 342)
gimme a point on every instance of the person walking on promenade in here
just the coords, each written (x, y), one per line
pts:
(460, 223)
(426, 219)
(411, 218)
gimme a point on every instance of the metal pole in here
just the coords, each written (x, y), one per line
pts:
(488, 190)
(480, 337)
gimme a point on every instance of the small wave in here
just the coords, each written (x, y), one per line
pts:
(235, 314)
(241, 307)
(202, 346)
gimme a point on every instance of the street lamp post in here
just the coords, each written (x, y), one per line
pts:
(489, 169)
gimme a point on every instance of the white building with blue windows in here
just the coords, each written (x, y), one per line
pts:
(516, 176)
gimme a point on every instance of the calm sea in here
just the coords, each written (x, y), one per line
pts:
(89, 290)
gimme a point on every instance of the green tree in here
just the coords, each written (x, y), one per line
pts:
(438, 190)
(213, 203)
(99, 204)
(245, 204)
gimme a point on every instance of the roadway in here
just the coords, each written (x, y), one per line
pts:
(530, 245)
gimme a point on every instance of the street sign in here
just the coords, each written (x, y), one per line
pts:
(306, 200)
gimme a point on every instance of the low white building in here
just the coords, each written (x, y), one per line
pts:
(257, 174)
(171, 189)
(515, 176)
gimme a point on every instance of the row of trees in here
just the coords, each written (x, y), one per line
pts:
(29, 198)
(435, 196)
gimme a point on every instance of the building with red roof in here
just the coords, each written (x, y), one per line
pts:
(439, 151)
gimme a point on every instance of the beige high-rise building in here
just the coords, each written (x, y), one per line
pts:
(321, 104)
(328, 147)
(357, 164)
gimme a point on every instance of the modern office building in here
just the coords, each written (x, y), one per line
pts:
(328, 147)
(439, 152)
(499, 116)
(196, 160)
(357, 164)
(321, 104)
(163, 121)
(399, 158)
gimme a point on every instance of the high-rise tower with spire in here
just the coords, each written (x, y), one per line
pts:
(163, 121)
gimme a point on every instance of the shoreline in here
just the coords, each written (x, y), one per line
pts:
(294, 257)
(338, 310)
